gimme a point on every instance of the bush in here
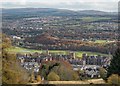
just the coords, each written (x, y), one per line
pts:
(114, 79)
(75, 76)
(35, 81)
(38, 78)
(32, 77)
(103, 73)
(52, 76)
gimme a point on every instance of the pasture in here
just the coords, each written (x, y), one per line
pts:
(64, 52)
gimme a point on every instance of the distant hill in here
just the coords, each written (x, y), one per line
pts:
(96, 12)
(54, 12)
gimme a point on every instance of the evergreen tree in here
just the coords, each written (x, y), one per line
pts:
(114, 67)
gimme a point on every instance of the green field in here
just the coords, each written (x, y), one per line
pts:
(101, 41)
(94, 18)
(24, 50)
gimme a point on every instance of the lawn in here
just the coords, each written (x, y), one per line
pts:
(24, 50)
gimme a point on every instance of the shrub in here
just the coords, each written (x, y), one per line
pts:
(114, 79)
(32, 77)
(52, 76)
(35, 81)
(38, 78)
(103, 73)
(75, 76)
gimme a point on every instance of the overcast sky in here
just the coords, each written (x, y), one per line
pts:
(103, 5)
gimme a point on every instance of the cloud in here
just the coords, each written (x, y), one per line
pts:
(58, 1)
(104, 5)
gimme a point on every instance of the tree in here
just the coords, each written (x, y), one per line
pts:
(114, 67)
(62, 68)
(12, 72)
(67, 74)
(52, 76)
(6, 42)
(47, 68)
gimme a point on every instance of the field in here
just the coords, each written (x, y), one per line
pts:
(101, 41)
(24, 50)
(89, 19)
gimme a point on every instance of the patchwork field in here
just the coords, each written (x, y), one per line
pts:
(24, 50)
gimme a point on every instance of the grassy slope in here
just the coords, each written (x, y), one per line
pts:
(24, 50)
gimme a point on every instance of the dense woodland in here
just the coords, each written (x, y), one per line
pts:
(46, 41)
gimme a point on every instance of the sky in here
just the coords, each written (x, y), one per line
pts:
(102, 5)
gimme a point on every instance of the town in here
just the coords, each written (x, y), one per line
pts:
(90, 64)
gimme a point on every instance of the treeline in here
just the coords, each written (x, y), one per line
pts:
(104, 50)
(52, 43)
